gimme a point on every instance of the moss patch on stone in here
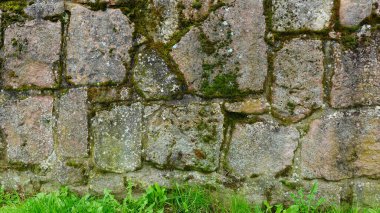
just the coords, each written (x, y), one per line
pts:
(222, 85)
(14, 6)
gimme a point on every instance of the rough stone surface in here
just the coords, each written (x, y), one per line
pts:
(261, 148)
(20, 181)
(109, 94)
(352, 12)
(97, 46)
(184, 137)
(45, 8)
(72, 128)
(112, 182)
(343, 144)
(298, 74)
(357, 74)
(301, 15)
(248, 106)
(28, 128)
(153, 77)
(117, 136)
(367, 193)
(26, 61)
(211, 56)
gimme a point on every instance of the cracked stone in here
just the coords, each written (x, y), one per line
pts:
(297, 15)
(26, 61)
(227, 53)
(184, 137)
(28, 129)
(72, 123)
(154, 78)
(261, 148)
(298, 75)
(117, 136)
(356, 80)
(97, 46)
(342, 145)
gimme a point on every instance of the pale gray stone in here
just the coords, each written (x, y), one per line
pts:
(342, 145)
(26, 59)
(352, 12)
(113, 182)
(97, 46)
(262, 148)
(72, 131)
(45, 8)
(28, 129)
(301, 15)
(356, 79)
(297, 89)
(184, 137)
(366, 193)
(117, 136)
(154, 78)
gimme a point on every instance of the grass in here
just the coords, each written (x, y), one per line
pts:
(184, 198)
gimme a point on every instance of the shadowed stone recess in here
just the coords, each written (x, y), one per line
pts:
(342, 145)
(26, 59)
(28, 129)
(297, 15)
(72, 128)
(261, 148)
(298, 74)
(97, 46)
(117, 138)
(184, 137)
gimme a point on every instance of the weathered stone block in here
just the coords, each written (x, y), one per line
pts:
(72, 131)
(297, 15)
(227, 54)
(154, 78)
(28, 129)
(97, 46)
(22, 181)
(109, 94)
(356, 79)
(26, 59)
(184, 137)
(248, 106)
(366, 193)
(298, 74)
(352, 12)
(45, 8)
(342, 145)
(117, 136)
(112, 182)
(261, 148)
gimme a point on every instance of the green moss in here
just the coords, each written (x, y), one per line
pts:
(222, 85)
(14, 6)
(196, 5)
(349, 41)
(207, 46)
(291, 106)
(97, 5)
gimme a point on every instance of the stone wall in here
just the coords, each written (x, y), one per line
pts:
(257, 96)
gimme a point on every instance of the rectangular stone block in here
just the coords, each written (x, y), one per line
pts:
(184, 137)
(262, 148)
(117, 137)
(97, 46)
(343, 144)
(297, 89)
(72, 131)
(31, 54)
(356, 80)
(28, 129)
(296, 15)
